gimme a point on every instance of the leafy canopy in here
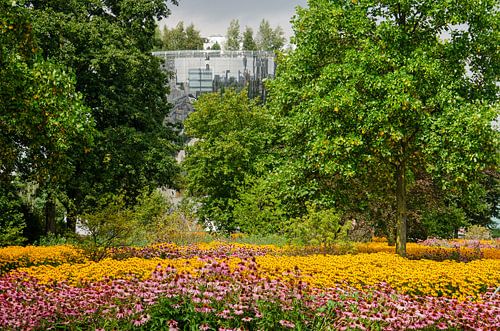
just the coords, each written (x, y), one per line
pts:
(180, 38)
(232, 133)
(108, 44)
(391, 89)
(233, 37)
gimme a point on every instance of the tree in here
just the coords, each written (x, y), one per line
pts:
(193, 38)
(269, 39)
(216, 46)
(180, 38)
(374, 93)
(157, 40)
(233, 132)
(233, 36)
(248, 41)
(108, 44)
(42, 116)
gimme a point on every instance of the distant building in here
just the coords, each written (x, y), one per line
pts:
(197, 72)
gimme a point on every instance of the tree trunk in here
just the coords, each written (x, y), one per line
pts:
(50, 215)
(71, 223)
(401, 216)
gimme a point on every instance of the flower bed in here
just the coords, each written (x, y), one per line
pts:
(221, 297)
(219, 286)
(14, 257)
(421, 277)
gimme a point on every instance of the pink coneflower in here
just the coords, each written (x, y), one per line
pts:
(287, 324)
(204, 327)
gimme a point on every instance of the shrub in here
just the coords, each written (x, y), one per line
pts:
(477, 232)
(11, 218)
(56, 240)
(318, 227)
(443, 223)
(111, 225)
(178, 225)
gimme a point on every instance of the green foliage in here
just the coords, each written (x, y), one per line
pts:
(260, 209)
(108, 45)
(495, 233)
(478, 232)
(373, 95)
(248, 41)
(151, 205)
(179, 227)
(269, 39)
(233, 36)
(41, 115)
(444, 223)
(11, 222)
(259, 239)
(180, 38)
(216, 47)
(11, 218)
(56, 240)
(43, 118)
(110, 224)
(318, 227)
(159, 221)
(233, 132)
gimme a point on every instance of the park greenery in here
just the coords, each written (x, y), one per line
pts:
(267, 39)
(377, 123)
(383, 112)
(178, 38)
(81, 111)
(333, 204)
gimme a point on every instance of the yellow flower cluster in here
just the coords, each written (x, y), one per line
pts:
(235, 246)
(133, 268)
(421, 277)
(416, 251)
(16, 256)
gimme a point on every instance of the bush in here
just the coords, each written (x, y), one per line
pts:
(56, 240)
(495, 233)
(252, 239)
(111, 225)
(318, 227)
(443, 223)
(177, 225)
(477, 232)
(11, 218)
(260, 210)
(149, 211)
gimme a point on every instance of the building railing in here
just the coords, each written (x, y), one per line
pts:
(213, 53)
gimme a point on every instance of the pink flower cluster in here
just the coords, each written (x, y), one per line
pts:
(169, 251)
(470, 243)
(232, 299)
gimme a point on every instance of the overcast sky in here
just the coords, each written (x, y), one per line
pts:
(213, 16)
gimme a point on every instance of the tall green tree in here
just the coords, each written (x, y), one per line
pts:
(43, 119)
(232, 132)
(180, 38)
(269, 39)
(382, 91)
(248, 40)
(174, 38)
(157, 40)
(193, 38)
(233, 37)
(108, 44)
